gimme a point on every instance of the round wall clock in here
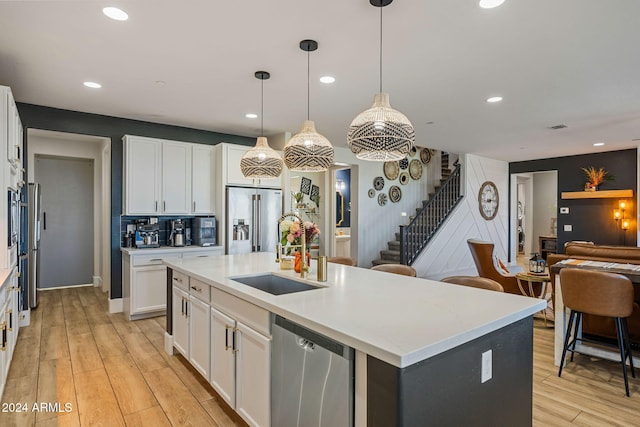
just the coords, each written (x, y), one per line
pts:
(488, 200)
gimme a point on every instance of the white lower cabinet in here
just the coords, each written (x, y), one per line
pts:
(199, 352)
(149, 295)
(240, 368)
(180, 321)
(9, 313)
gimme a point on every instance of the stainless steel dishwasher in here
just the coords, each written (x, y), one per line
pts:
(311, 378)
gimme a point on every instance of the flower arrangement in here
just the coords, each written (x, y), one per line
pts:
(291, 233)
(596, 177)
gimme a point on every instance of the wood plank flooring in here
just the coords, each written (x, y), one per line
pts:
(114, 372)
(111, 372)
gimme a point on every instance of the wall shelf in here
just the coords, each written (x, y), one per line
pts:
(605, 194)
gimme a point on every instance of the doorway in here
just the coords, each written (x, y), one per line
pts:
(66, 239)
(534, 210)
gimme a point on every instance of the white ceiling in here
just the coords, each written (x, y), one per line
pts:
(574, 62)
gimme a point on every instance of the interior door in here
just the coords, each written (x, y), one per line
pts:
(66, 239)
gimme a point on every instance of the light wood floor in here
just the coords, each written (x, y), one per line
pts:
(115, 372)
(111, 371)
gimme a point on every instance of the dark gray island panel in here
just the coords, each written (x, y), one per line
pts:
(445, 390)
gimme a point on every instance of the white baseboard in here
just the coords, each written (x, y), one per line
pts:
(168, 343)
(97, 281)
(25, 318)
(115, 305)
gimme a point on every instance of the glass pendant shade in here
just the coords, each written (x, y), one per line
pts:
(261, 162)
(308, 151)
(381, 133)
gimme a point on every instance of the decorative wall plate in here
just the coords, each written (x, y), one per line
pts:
(391, 170)
(382, 199)
(425, 155)
(378, 183)
(371, 193)
(413, 151)
(404, 163)
(395, 194)
(488, 200)
(404, 178)
(305, 185)
(415, 169)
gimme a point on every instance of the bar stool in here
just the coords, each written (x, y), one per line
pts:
(603, 294)
(405, 270)
(474, 282)
(341, 260)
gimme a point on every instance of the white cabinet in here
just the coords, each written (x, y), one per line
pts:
(9, 324)
(144, 284)
(167, 177)
(199, 351)
(202, 180)
(240, 367)
(180, 321)
(253, 376)
(176, 178)
(141, 192)
(232, 154)
(14, 144)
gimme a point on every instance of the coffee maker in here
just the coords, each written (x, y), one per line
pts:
(147, 235)
(176, 233)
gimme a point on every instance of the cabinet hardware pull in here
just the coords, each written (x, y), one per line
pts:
(10, 313)
(164, 206)
(226, 338)
(194, 206)
(196, 288)
(235, 349)
(186, 308)
(156, 210)
(182, 308)
(177, 279)
(4, 336)
(155, 259)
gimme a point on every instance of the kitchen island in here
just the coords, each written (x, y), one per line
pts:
(426, 352)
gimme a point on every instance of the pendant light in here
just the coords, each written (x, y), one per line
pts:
(381, 133)
(308, 151)
(262, 161)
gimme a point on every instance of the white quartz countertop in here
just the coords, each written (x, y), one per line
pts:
(398, 319)
(163, 249)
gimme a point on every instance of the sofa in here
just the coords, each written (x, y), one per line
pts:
(598, 326)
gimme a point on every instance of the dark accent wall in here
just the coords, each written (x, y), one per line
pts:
(54, 119)
(592, 219)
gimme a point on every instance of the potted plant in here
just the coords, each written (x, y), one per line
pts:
(298, 197)
(595, 177)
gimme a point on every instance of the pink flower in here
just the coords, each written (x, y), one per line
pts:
(290, 238)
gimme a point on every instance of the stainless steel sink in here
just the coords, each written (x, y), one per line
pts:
(275, 285)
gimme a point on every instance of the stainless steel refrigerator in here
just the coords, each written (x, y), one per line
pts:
(252, 219)
(33, 236)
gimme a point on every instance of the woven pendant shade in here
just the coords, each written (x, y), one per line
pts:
(381, 133)
(308, 151)
(261, 162)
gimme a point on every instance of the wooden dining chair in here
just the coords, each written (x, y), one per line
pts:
(603, 294)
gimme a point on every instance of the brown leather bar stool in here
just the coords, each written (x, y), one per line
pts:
(603, 294)
(341, 260)
(474, 282)
(405, 270)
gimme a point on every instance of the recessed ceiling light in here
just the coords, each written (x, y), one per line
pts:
(327, 79)
(251, 116)
(490, 4)
(115, 13)
(598, 144)
(93, 85)
(494, 99)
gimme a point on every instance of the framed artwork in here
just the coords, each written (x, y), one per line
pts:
(315, 191)
(305, 186)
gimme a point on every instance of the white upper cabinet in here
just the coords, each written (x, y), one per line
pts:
(176, 178)
(141, 192)
(202, 173)
(163, 177)
(232, 154)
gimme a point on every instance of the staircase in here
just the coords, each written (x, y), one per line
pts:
(412, 238)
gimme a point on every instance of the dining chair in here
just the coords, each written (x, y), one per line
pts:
(603, 294)
(342, 260)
